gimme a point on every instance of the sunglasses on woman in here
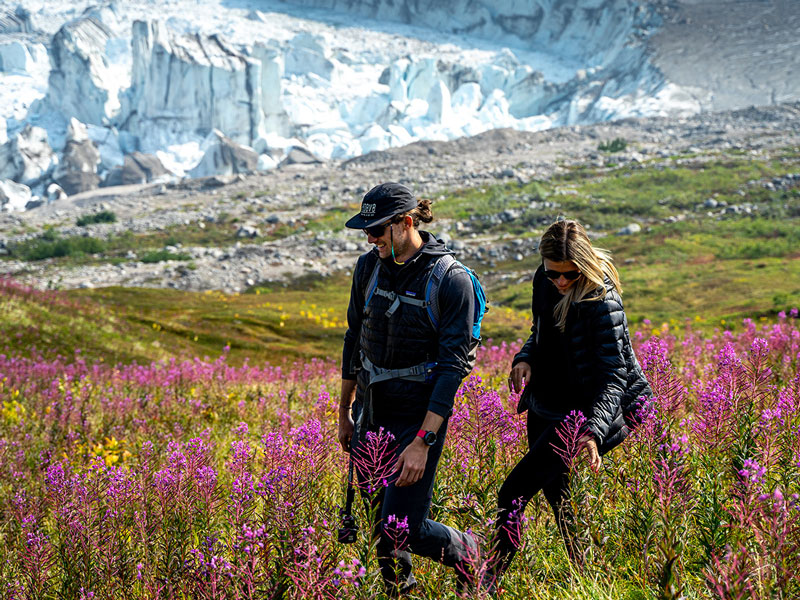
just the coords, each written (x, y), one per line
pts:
(569, 275)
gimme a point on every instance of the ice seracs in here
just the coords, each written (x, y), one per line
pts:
(80, 80)
(336, 77)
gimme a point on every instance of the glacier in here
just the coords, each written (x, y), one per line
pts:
(222, 86)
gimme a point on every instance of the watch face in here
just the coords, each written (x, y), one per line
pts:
(430, 438)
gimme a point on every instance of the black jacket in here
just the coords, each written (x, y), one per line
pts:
(608, 382)
(407, 337)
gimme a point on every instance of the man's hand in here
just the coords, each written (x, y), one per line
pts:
(411, 463)
(345, 433)
(590, 444)
(519, 377)
(346, 428)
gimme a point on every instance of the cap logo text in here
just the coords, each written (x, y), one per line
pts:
(368, 210)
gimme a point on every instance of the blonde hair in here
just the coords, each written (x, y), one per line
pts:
(567, 241)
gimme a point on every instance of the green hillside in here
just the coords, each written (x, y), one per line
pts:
(719, 241)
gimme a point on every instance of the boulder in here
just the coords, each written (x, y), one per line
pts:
(223, 156)
(247, 231)
(27, 157)
(298, 155)
(80, 74)
(13, 195)
(75, 182)
(55, 193)
(631, 229)
(138, 168)
(77, 170)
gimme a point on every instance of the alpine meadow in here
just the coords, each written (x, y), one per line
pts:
(239, 242)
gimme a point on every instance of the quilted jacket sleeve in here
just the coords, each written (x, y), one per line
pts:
(525, 353)
(606, 340)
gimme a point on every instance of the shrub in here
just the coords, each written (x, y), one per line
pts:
(615, 145)
(50, 245)
(155, 256)
(105, 216)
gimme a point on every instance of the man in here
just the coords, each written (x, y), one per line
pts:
(403, 372)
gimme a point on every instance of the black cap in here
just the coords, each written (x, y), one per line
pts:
(382, 203)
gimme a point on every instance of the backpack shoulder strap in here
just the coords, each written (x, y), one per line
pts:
(372, 283)
(442, 266)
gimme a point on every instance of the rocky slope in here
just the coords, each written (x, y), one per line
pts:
(288, 200)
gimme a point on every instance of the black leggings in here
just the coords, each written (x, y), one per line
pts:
(540, 469)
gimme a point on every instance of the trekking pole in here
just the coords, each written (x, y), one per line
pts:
(349, 528)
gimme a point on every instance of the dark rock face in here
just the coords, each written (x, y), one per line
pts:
(225, 157)
(138, 168)
(77, 171)
(75, 182)
(300, 156)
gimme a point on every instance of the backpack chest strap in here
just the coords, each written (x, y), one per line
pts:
(398, 299)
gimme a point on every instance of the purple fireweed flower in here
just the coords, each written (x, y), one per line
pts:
(241, 430)
(514, 526)
(570, 432)
(396, 529)
(271, 483)
(241, 455)
(751, 472)
(206, 480)
(374, 459)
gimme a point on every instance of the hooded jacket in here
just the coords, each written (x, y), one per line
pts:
(406, 337)
(608, 382)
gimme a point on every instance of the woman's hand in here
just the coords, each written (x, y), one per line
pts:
(592, 453)
(519, 377)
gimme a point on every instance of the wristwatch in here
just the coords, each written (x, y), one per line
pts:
(429, 437)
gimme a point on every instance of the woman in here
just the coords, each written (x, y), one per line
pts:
(578, 357)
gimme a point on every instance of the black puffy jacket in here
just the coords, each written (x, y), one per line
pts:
(603, 366)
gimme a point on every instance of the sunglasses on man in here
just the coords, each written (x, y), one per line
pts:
(569, 275)
(376, 231)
